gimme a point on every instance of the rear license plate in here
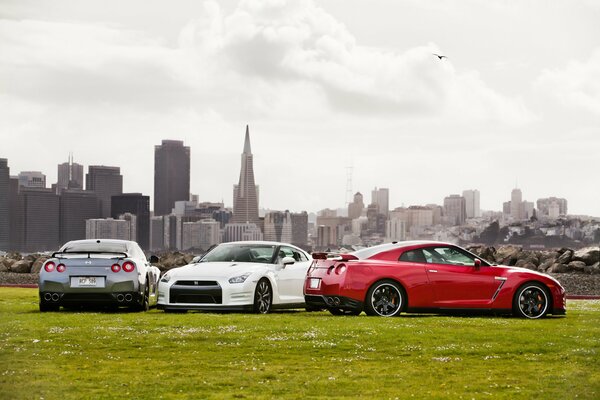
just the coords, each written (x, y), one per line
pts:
(87, 281)
(314, 283)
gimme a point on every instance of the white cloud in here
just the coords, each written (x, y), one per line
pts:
(576, 85)
(273, 58)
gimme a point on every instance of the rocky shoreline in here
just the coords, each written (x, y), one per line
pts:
(578, 271)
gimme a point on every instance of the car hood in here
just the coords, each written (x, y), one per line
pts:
(510, 270)
(215, 270)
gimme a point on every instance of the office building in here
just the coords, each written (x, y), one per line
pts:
(138, 205)
(4, 205)
(105, 182)
(355, 209)
(245, 193)
(76, 206)
(552, 207)
(171, 175)
(300, 229)
(36, 226)
(455, 209)
(516, 197)
(473, 210)
(278, 226)
(109, 228)
(70, 176)
(381, 197)
(32, 179)
(235, 232)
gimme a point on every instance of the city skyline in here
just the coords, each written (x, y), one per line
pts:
(323, 86)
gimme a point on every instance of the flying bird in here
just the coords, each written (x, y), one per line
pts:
(439, 56)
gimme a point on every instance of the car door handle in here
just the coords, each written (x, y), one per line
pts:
(432, 270)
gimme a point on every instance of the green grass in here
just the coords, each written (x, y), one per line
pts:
(293, 354)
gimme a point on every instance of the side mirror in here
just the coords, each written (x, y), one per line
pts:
(477, 263)
(288, 261)
(153, 259)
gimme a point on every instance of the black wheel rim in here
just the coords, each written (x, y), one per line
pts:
(386, 300)
(533, 302)
(263, 297)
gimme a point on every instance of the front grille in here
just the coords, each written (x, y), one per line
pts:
(198, 298)
(196, 294)
(197, 283)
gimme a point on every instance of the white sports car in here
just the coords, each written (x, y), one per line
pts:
(238, 276)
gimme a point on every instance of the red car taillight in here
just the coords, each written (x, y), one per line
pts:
(61, 268)
(115, 268)
(128, 266)
(340, 269)
(49, 267)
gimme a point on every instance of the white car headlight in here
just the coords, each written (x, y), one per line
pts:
(166, 278)
(240, 278)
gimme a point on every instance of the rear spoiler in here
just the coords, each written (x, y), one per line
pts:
(89, 253)
(334, 256)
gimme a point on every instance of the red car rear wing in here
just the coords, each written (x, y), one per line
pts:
(333, 256)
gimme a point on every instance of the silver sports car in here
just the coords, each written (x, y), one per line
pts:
(99, 272)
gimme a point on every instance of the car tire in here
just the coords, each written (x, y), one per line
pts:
(44, 307)
(385, 298)
(339, 311)
(263, 297)
(145, 303)
(532, 301)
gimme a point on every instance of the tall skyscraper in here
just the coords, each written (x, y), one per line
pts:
(381, 197)
(300, 229)
(455, 209)
(76, 206)
(70, 175)
(37, 220)
(516, 197)
(4, 204)
(472, 203)
(245, 193)
(106, 182)
(171, 175)
(139, 205)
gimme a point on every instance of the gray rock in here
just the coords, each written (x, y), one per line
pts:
(7, 262)
(37, 265)
(577, 266)
(592, 269)
(565, 257)
(558, 268)
(530, 265)
(588, 255)
(507, 255)
(3, 268)
(545, 265)
(21, 267)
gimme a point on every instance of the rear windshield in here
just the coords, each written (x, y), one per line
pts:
(95, 247)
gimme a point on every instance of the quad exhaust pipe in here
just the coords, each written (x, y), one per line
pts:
(128, 297)
(120, 298)
(51, 297)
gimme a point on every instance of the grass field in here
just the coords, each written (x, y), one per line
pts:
(73, 355)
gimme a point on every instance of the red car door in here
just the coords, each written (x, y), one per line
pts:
(457, 282)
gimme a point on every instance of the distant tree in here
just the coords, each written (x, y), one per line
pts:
(489, 235)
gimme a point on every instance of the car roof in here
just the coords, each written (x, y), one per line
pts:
(369, 252)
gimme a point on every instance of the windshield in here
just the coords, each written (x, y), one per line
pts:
(257, 253)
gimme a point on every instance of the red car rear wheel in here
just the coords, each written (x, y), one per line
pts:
(385, 299)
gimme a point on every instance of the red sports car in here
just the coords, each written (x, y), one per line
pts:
(422, 276)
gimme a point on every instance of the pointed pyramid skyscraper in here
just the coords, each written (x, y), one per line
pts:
(245, 193)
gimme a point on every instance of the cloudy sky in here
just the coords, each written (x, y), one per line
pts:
(323, 85)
